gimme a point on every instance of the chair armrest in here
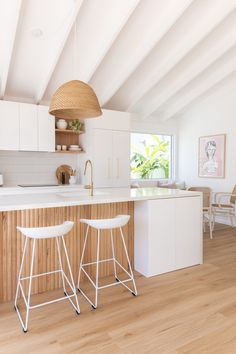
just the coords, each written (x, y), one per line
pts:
(219, 196)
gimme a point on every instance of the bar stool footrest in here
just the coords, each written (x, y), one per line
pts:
(67, 296)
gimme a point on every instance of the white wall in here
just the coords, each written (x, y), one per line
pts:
(32, 167)
(215, 114)
(152, 126)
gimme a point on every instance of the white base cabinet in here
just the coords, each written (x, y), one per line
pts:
(168, 235)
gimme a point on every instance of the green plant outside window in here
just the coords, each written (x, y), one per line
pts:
(150, 156)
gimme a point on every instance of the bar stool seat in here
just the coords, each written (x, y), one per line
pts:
(37, 233)
(48, 231)
(103, 224)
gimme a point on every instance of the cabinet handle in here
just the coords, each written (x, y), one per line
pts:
(117, 168)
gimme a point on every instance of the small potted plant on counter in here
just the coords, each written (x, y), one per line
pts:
(76, 126)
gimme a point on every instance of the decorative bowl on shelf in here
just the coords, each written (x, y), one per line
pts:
(74, 148)
(61, 124)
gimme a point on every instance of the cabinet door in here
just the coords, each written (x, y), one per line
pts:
(102, 158)
(46, 130)
(161, 236)
(28, 127)
(9, 125)
(188, 237)
(121, 159)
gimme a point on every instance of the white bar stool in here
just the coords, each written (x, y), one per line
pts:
(37, 233)
(102, 224)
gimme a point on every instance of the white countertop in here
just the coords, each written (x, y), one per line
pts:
(18, 198)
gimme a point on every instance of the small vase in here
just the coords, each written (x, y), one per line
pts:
(61, 124)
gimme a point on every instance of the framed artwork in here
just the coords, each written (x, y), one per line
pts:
(211, 158)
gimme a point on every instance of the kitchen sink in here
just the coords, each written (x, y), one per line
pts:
(82, 193)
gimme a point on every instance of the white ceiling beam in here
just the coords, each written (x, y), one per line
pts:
(65, 34)
(96, 31)
(220, 70)
(131, 8)
(10, 14)
(197, 22)
(204, 55)
(149, 23)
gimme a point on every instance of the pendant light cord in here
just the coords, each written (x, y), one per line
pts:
(75, 51)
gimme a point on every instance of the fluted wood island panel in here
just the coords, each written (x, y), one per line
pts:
(11, 243)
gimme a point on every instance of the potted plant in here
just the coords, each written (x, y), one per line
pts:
(76, 126)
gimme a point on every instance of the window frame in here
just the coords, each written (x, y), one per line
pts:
(172, 156)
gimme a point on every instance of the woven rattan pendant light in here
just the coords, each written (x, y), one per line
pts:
(75, 100)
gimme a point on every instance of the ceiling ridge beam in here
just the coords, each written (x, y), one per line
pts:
(5, 72)
(52, 67)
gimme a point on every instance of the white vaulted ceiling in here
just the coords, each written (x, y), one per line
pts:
(151, 57)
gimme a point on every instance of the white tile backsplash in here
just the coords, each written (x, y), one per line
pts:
(33, 167)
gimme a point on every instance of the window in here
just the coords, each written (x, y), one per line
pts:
(150, 156)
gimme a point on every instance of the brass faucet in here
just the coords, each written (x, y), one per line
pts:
(90, 186)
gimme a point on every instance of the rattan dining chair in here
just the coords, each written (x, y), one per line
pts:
(225, 205)
(206, 208)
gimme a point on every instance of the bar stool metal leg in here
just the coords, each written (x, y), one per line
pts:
(113, 254)
(27, 301)
(30, 287)
(97, 270)
(60, 264)
(76, 307)
(96, 285)
(82, 258)
(130, 268)
(106, 224)
(34, 234)
(20, 272)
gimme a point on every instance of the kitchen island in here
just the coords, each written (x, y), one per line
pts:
(164, 232)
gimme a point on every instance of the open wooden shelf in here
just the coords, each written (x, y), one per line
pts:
(68, 131)
(69, 152)
(67, 137)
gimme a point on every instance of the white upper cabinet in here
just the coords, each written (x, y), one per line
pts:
(9, 125)
(28, 127)
(113, 120)
(102, 158)
(46, 130)
(121, 158)
(111, 158)
(107, 144)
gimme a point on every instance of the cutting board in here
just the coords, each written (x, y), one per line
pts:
(68, 172)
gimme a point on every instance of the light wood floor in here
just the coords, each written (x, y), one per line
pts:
(188, 311)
